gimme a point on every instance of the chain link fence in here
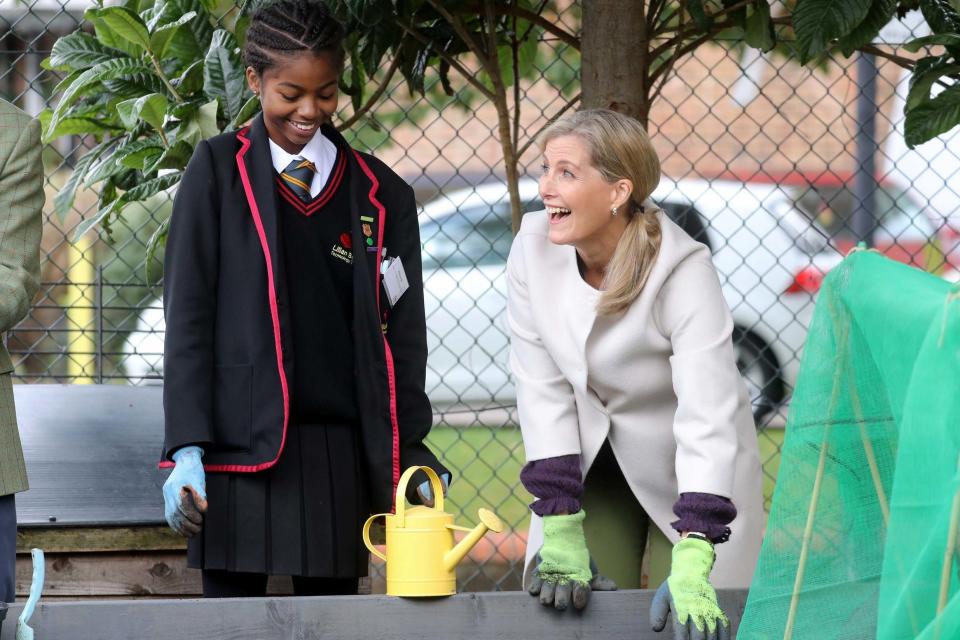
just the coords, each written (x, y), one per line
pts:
(760, 162)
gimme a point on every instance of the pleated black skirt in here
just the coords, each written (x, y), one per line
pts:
(302, 517)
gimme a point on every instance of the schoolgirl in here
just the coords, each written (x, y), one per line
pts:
(294, 370)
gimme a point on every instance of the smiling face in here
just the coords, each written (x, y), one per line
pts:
(579, 200)
(297, 96)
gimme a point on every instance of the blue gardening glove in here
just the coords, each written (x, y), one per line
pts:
(689, 594)
(425, 493)
(564, 571)
(185, 492)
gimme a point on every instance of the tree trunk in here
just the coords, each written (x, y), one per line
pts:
(510, 161)
(614, 63)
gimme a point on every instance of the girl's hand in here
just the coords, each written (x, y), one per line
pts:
(185, 492)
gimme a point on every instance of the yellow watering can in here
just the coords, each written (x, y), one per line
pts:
(421, 555)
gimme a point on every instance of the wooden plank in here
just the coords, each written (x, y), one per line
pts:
(617, 615)
(91, 453)
(100, 539)
(92, 575)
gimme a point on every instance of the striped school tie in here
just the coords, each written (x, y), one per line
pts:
(298, 175)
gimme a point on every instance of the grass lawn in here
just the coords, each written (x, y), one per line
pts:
(487, 462)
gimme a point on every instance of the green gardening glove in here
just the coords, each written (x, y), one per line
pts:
(689, 594)
(563, 570)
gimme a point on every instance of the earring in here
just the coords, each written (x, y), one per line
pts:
(613, 211)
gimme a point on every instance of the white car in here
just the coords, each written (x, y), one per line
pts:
(761, 244)
(763, 248)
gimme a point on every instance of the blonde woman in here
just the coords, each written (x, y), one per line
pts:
(621, 350)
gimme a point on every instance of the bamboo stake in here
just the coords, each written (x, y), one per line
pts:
(948, 554)
(807, 534)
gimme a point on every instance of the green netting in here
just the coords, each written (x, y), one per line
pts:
(861, 537)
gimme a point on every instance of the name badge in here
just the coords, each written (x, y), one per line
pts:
(394, 279)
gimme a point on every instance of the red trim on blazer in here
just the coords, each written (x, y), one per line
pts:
(309, 208)
(274, 315)
(391, 372)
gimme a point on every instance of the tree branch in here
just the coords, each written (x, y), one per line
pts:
(678, 38)
(574, 100)
(515, 49)
(906, 63)
(457, 24)
(543, 4)
(679, 53)
(654, 10)
(533, 18)
(694, 29)
(467, 75)
(375, 96)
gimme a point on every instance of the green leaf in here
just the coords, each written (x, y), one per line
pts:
(69, 79)
(63, 201)
(527, 51)
(699, 15)
(78, 51)
(150, 187)
(125, 110)
(176, 157)
(223, 73)
(100, 73)
(759, 32)
(191, 80)
(818, 22)
(81, 229)
(141, 159)
(82, 126)
(122, 23)
(200, 125)
(925, 74)
(134, 85)
(927, 41)
(356, 78)
(106, 168)
(188, 109)
(240, 30)
(138, 193)
(247, 111)
(157, 240)
(153, 110)
(933, 117)
(139, 153)
(191, 42)
(739, 15)
(941, 17)
(160, 38)
(207, 119)
(881, 12)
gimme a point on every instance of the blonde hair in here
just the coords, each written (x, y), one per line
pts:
(620, 149)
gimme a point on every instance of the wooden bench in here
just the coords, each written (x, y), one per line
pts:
(615, 615)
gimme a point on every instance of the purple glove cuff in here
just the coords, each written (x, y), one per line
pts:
(706, 513)
(556, 482)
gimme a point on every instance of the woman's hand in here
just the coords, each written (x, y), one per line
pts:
(185, 492)
(563, 571)
(689, 594)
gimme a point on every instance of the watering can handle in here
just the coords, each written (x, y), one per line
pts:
(366, 535)
(435, 484)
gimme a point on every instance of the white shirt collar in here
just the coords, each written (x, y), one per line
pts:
(320, 151)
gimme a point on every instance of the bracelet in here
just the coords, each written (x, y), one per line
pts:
(697, 535)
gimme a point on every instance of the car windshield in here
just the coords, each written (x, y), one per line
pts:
(471, 236)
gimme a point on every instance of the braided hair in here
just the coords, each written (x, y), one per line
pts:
(287, 27)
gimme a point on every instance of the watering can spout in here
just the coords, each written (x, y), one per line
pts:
(488, 522)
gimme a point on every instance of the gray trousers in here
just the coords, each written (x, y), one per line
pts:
(8, 547)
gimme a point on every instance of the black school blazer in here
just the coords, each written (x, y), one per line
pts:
(228, 352)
